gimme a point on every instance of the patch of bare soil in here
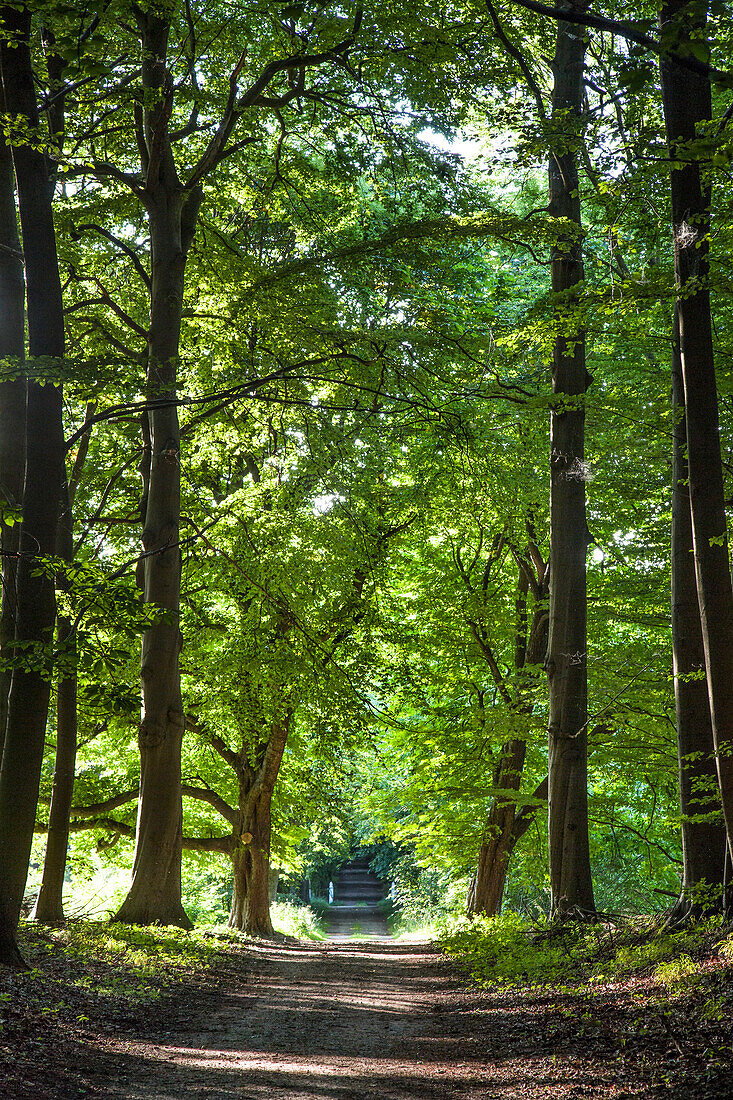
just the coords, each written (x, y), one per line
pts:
(341, 1021)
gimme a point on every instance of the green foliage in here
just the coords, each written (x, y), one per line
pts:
(301, 921)
(508, 949)
(355, 526)
(128, 962)
(511, 950)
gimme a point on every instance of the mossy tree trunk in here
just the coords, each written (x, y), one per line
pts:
(250, 910)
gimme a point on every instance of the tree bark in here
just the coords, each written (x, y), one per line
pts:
(487, 889)
(155, 891)
(250, 909)
(687, 106)
(30, 687)
(703, 842)
(571, 884)
(12, 411)
(49, 906)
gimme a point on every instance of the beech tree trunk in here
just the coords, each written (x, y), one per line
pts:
(30, 687)
(49, 906)
(12, 410)
(703, 842)
(155, 891)
(687, 107)
(571, 884)
(250, 909)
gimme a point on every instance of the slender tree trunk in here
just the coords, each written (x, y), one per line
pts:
(30, 688)
(687, 106)
(493, 859)
(155, 892)
(703, 842)
(49, 905)
(500, 836)
(12, 411)
(567, 659)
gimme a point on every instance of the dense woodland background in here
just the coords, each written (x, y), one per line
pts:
(369, 452)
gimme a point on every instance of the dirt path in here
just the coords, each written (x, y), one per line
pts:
(347, 1020)
(344, 1020)
(338, 1021)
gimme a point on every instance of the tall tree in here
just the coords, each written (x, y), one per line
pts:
(687, 108)
(172, 210)
(703, 840)
(178, 150)
(567, 652)
(30, 686)
(12, 412)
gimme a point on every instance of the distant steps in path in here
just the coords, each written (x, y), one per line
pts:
(355, 912)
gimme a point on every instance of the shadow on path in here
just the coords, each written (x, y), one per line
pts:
(350, 1020)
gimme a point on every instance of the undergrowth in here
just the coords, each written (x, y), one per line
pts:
(294, 919)
(123, 961)
(512, 951)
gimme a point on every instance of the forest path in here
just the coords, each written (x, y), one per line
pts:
(341, 1021)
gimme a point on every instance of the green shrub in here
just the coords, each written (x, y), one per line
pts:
(510, 949)
(300, 921)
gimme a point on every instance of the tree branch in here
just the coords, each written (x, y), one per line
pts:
(122, 245)
(527, 814)
(104, 807)
(204, 794)
(631, 33)
(491, 661)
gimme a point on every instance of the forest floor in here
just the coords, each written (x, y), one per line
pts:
(146, 1016)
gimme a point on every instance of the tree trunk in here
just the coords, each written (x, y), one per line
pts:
(155, 891)
(49, 905)
(703, 842)
(250, 911)
(487, 889)
(567, 659)
(687, 106)
(30, 688)
(12, 411)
